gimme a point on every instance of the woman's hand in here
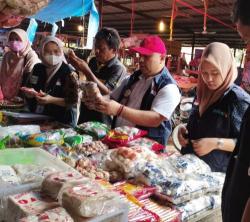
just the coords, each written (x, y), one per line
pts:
(44, 98)
(182, 133)
(204, 146)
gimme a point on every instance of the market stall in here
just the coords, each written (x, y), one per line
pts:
(122, 167)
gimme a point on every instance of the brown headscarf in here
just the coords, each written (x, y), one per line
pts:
(219, 55)
(15, 64)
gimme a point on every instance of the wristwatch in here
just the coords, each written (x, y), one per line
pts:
(220, 143)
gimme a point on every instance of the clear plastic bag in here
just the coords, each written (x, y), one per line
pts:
(89, 199)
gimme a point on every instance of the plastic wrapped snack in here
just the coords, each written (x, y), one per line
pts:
(90, 94)
(120, 136)
(95, 129)
(18, 130)
(89, 200)
(188, 164)
(78, 140)
(58, 214)
(88, 169)
(26, 204)
(8, 174)
(138, 191)
(91, 148)
(53, 183)
(43, 138)
(196, 206)
(130, 160)
(146, 142)
(32, 173)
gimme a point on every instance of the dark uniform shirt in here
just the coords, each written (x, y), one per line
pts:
(236, 191)
(220, 120)
(110, 74)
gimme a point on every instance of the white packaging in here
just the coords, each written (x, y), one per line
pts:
(26, 204)
(8, 174)
(53, 183)
(89, 200)
(58, 214)
(29, 173)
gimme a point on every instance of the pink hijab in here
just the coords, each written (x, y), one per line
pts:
(15, 64)
(219, 55)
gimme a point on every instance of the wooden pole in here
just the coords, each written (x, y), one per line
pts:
(100, 6)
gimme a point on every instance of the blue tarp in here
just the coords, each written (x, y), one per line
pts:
(58, 10)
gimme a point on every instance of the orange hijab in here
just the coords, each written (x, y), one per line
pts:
(219, 55)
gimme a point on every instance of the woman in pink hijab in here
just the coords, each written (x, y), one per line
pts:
(17, 64)
(214, 123)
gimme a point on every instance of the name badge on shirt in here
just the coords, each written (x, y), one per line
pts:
(39, 109)
(33, 79)
(58, 83)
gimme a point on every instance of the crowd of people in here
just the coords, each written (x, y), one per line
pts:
(218, 126)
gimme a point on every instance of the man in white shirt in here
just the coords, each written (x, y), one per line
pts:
(148, 98)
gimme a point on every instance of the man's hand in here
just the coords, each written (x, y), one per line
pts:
(182, 134)
(107, 106)
(204, 146)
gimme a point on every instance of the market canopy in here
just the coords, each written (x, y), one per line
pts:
(57, 10)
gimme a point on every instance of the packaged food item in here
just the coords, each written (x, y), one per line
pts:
(31, 91)
(78, 140)
(68, 132)
(43, 138)
(120, 136)
(130, 160)
(96, 129)
(165, 213)
(58, 214)
(18, 130)
(8, 174)
(146, 142)
(53, 183)
(32, 173)
(91, 148)
(26, 204)
(196, 206)
(188, 164)
(90, 94)
(88, 169)
(89, 199)
(140, 192)
(3, 142)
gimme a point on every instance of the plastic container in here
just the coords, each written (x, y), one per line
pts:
(118, 216)
(35, 156)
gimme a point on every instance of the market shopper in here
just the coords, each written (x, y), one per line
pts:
(214, 123)
(236, 191)
(17, 63)
(104, 69)
(148, 98)
(55, 83)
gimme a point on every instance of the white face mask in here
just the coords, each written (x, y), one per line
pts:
(53, 59)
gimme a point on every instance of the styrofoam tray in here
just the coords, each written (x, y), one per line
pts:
(35, 156)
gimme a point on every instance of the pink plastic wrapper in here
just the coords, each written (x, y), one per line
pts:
(148, 143)
(121, 136)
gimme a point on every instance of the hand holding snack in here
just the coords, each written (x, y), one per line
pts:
(32, 92)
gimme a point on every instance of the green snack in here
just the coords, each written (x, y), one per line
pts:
(78, 139)
(3, 142)
(95, 129)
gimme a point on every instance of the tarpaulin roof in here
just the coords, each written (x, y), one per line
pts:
(58, 10)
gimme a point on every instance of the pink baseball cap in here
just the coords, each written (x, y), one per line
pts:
(151, 44)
